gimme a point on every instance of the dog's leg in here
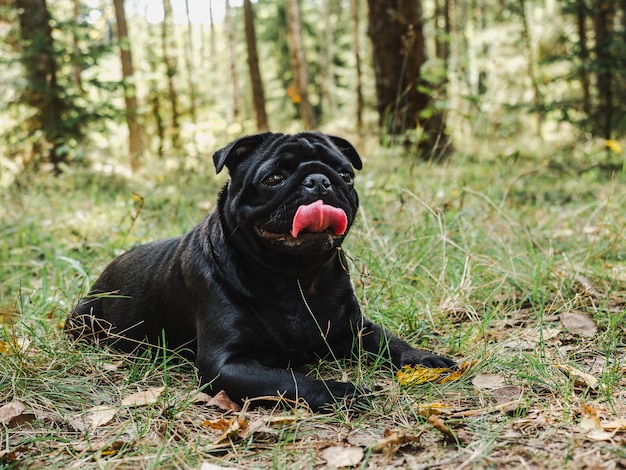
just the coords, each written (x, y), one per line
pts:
(243, 380)
(379, 342)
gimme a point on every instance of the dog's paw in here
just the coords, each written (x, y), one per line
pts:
(427, 359)
(337, 393)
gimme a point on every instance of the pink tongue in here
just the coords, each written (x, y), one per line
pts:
(317, 217)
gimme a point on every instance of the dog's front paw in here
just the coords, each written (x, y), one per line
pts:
(426, 359)
(334, 393)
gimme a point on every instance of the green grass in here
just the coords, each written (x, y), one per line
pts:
(477, 258)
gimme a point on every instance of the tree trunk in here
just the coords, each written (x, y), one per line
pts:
(77, 68)
(396, 31)
(602, 21)
(190, 70)
(170, 70)
(256, 81)
(232, 59)
(530, 67)
(135, 134)
(299, 66)
(442, 31)
(583, 55)
(42, 90)
(354, 6)
(326, 44)
(154, 91)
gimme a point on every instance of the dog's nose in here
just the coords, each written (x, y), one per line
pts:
(317, 183)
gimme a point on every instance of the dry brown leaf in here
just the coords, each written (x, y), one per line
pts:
(581, 378)
(93, 418)
(229, 427)
(212, 466)
(146, 397)
(458, 435)
(427, 409)
(113, 367)
(10, 411)
(262, 425)
(393, 440)
(223, 402)
(438, 423)
(597, 430)
(586, 287)
(488, 381)
(579, 323)
(590, 423)
(342, 456)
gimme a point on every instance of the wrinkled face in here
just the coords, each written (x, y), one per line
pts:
(291, 193)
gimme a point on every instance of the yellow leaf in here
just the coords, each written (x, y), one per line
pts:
(613, 145)
(417, 375)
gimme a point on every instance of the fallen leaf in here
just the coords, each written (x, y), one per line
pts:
(393, 440)
(427, 409)
(93, 418)
(416, 375)
(581, 378)
(585, 287)
(223, 402)
(262, 425)
(462, 370)
(146, 397)
(10, 411)
(112, 367)
(212, 466)
(438, 423)
(488, 381)
(342, 456)
(201, 397)
(590, 423)
(579, 323)
(597, 430)
(228, 427)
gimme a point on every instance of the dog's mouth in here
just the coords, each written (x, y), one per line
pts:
(315, 221)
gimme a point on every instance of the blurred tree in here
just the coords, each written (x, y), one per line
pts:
(299, 68)
(154, 96)
(189, 63)
(354, 7)
(42, 91)
(399, 51)
(232, 59)
(258, 96)
(603, 12)
(135, 132)
(596, 56)
(531, 64)
(168, 43)
(77, 68)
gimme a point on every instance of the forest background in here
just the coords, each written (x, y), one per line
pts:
(492, 226)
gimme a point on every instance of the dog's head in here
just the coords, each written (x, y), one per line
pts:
(289, 193)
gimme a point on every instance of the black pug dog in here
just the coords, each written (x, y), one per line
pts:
(261, 285)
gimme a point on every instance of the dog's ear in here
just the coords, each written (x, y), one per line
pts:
(347, 149)
(234, 152)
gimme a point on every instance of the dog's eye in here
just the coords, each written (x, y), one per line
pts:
(346, 177)
(273, 180)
